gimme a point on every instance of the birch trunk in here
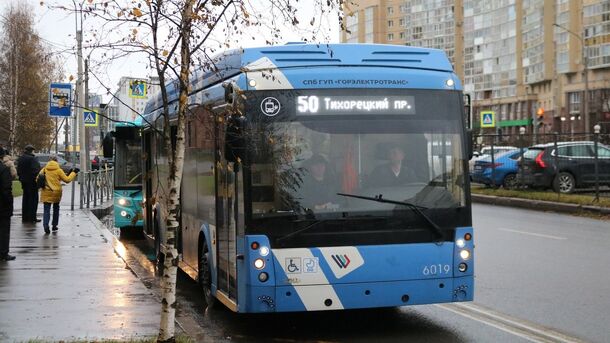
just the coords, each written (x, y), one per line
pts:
(168, 301)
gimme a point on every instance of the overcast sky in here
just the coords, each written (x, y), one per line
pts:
(57, 28)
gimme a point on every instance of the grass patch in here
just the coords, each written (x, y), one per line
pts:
(579, 199)
(17, 190)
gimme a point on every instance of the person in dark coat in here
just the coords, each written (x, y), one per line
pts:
(27, 169)
(6, 210)
(318, 190)
(393, 173)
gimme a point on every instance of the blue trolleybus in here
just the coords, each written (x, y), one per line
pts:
(320, 177)
(128, 176)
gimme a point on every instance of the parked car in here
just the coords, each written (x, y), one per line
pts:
(63, 164)
(486, 152)
(505, 171)
(101, 162)
(575, 166)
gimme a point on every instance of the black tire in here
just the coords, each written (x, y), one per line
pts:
(564, 183)
(510, 181)
(205, 276)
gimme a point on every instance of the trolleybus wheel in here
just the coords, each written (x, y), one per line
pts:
(205, 276)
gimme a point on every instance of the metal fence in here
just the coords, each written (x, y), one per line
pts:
(96, 187)
(493, 143)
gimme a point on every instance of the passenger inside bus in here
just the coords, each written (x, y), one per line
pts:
(318, 187)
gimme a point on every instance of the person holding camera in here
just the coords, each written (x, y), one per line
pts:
(52, 191)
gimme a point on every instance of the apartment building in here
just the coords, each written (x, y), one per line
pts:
(515, 57)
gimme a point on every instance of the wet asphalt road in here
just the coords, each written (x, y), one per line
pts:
(539, 277)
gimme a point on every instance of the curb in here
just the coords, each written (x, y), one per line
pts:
(539, 205)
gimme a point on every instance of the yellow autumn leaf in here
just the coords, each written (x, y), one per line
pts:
(70, 78)
(135, 32)
(165, 52)
(136, 12)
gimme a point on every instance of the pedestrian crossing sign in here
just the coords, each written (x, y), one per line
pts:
(90, 118)
(488, 119)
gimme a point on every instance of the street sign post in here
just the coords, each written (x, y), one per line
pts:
(90, 118)
(488, 119)
(60, 100)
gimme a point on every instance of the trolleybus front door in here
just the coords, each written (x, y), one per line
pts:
(225, 222)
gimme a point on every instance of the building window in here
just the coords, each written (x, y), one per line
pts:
(368, 24)
(574, 104)
(390, 36)
(390, 23)
(390, 10)
(352, 28)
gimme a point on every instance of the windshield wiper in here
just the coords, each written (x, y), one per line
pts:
(436, 230)
(315, 222)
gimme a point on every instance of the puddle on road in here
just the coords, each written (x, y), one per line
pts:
(134, 239)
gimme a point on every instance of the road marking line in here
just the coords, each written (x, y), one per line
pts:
(515, 326)
(534, 234)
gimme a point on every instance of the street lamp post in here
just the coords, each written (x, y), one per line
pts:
(521, 133)
(596, 129)
(585, 63)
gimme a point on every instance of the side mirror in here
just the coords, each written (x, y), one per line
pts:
(229, 93)
(108, 145)
(235, 142)
(469, 144)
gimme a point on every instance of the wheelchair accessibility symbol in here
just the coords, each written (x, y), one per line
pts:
(270, 106)
(293, 265)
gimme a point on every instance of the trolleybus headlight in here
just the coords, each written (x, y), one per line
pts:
(464, 254)
(262, 277)
(264, 251)
(124, 202)
(462, 267)
(259, 263)
(460, 243)
(123, 213)
(449, 83)
(252, 83)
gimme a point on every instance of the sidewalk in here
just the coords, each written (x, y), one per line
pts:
(70, 284)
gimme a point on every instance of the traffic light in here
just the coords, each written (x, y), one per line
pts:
(540, 116)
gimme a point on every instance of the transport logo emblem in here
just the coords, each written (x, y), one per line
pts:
(341, 260)
(270, 106)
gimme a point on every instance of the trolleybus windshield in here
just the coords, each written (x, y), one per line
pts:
(300, 160)
(128, 163)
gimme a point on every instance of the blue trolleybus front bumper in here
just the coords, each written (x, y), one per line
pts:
(335, 278)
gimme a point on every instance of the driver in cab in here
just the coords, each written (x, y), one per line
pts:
(394, 172)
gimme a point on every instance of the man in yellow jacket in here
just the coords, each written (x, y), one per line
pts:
(51, 193)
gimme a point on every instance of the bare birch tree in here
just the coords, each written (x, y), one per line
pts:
(177, 36)
(25, 71)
